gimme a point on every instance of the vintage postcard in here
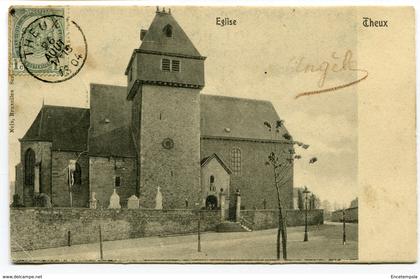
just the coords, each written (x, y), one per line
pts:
(179, 134)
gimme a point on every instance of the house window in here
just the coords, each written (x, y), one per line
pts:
(117, 181)
(29, 167)
(166, 65)
(175, 65)
(236, 160)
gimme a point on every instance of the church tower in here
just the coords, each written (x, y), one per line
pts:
(165, 76)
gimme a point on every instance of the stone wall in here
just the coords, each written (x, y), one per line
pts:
(60, 190)
(42, 151)
(256, 180)
(266, 219)
(37, 228)
(351, 215)
(169, 113)
(102, 178)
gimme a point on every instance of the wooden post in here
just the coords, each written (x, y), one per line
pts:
(68, 238)
(344, 227)
(100, 243)
(198, 231)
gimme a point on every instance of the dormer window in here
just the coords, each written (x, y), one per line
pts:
(168, 30)
(168, 65)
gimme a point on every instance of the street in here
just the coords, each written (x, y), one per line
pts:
(325, 243)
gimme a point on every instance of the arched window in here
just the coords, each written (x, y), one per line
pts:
(77, 175)
(168, 30)
(29, 167)
(236, 160)
(211, 179)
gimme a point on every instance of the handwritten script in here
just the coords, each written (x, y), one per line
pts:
(327, 68)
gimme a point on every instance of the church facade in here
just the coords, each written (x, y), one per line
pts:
(158, 131)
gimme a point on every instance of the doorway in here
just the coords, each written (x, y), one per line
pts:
(211, 202)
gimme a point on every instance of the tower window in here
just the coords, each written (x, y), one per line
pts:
(166, 65)
(211, 179)
(117, 181)
(168, 30)
(175, 65)
(236, 161)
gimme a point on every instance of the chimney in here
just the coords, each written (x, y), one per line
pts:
(142, 34)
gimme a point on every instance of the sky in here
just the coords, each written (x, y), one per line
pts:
(265, 56)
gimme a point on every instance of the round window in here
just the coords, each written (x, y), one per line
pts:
(168, 143)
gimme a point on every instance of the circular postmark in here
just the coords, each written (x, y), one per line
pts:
(52, 50)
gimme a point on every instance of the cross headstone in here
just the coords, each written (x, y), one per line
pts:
(159, 199)
(114, 201)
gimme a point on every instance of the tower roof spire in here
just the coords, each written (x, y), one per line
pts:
(165, 35)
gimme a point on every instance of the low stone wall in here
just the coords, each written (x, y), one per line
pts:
(351, 215)
(37, 228)
(266, 219)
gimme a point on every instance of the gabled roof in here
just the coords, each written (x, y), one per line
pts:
(66, 127)
(156, 40)
(229, 117)
(206, 160)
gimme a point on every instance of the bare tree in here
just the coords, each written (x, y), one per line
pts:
(282, 164)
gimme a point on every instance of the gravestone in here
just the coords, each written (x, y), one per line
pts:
(114, 201)
(238, 206)
(159, 199)
(222, 198)
(93, 201)
(133, 202)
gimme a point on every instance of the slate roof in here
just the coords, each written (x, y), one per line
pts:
(110, 118)
(79, 129)
(230, 117)
(117, 142)
(206, 160)
(66, 127)
(156, 39)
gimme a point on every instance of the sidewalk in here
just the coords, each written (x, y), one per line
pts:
(325, 242)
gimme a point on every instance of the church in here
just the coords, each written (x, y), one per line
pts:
(158, 132)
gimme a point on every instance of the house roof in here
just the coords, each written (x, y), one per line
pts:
(229, 117)
(66, 127)
(206, 160)
(156, 39)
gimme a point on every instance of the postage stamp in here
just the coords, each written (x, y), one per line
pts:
(44, 43)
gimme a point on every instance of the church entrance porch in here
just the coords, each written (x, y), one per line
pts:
(211, 202)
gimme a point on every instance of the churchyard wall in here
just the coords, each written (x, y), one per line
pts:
(266, 219)
(37, 228)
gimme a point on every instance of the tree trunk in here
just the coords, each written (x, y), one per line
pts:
(281, 229)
